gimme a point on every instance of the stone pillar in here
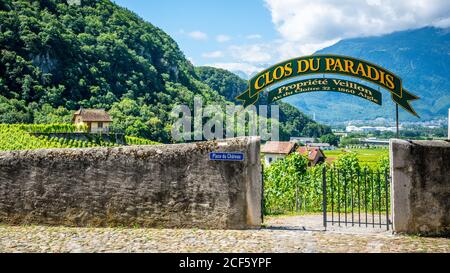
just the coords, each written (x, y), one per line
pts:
(420, 188)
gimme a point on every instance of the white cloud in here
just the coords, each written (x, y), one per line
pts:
(253, 36)
(255, 53)
(288, 49)
(223, 38)
(307, 26)
(213, 54)
(198, 35)
(247, 68)
(323, 21)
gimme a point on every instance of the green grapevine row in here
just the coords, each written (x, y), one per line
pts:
(289, 186)
(50, 128)
(130, 140)
(19, 137)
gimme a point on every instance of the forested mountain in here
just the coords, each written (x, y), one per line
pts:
(57, 57)
(421, 57)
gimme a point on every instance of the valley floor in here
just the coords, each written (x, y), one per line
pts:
(280, 234)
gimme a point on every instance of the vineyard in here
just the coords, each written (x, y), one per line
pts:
(291, 187)
(21, 137)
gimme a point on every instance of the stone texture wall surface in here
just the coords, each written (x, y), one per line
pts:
(171, 186)
(421, 187)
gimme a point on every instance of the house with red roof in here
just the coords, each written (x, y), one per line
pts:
(275, 150)
(315, 155)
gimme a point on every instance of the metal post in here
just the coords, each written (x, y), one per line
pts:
(387, 197)
(332, 196)
(339, 197)
(345, 197)
(365, 193)
(396, 118)
(359, 197)
(379, 197)
(324, 190)
(372, 193)
(262, 193)
(352, 186)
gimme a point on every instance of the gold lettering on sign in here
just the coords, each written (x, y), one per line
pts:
(329, 62)
(303, 66)
(257, 85)
(373, 73)
(361, 71)
(390, 81)
(338, 65)
(288, 69)
(311, 64)
(278, 73)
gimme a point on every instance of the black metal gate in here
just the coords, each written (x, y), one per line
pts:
(356, 198)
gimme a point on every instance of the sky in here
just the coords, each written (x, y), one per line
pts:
(249, 35)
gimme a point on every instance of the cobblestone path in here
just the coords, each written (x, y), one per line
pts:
(280, 234)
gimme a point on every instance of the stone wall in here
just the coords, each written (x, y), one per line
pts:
(171, 186)
(421, 187)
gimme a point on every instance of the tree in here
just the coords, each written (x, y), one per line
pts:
(330, 139)
(14, 111)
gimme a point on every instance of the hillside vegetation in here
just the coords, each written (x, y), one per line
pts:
(292, 121)
(57, 57)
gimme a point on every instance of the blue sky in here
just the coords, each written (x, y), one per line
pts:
(248, 35)
(205, 30)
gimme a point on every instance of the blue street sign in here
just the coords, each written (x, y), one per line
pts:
(226, 156)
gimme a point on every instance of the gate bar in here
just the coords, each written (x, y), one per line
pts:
(365, 192)
(373, 203)
(332, 197)
(387, 197)
(339, 197)
(359, 197)
(379, 196)
(262, 194)
(324, 189)
(345, 197)
(352, 186)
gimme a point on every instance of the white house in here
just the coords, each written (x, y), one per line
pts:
(96, 120)
(274, 150)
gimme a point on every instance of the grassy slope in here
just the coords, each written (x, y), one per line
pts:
(365, 156)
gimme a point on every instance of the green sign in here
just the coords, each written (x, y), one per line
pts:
(325, 84)
(328, 64)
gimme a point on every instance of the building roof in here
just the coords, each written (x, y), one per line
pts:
(319, 145)
(93, 115)
(312, 153)
(302, 139)
(278, 147)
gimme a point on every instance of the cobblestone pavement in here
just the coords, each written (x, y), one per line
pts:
(281, 234)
